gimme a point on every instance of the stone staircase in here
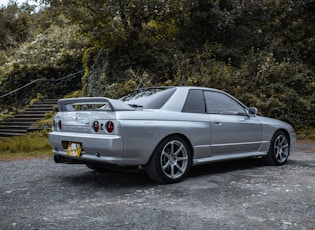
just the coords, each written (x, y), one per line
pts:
(22, 122)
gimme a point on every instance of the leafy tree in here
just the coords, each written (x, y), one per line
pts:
(16, 24)
(260, 51)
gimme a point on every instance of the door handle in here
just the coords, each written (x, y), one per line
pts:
(217, 122)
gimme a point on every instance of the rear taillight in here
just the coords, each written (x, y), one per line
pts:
(96, 126)
(110, 126)
(59, 124)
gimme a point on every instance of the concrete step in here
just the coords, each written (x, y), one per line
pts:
(35, 116)
(17, 123)
(22, 122)
(42, 109)
(10, 134)
(22, 119)
(13, 127)
(42, 105)
(35, 112)
(15, 130)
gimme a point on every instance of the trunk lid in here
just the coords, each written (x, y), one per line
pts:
(89, 115)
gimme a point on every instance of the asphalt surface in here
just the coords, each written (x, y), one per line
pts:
(39, 194)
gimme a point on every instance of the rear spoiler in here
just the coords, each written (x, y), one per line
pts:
(115, 105)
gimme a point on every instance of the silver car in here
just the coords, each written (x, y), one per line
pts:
(166, 130)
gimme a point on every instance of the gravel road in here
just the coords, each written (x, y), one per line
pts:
(39, 194)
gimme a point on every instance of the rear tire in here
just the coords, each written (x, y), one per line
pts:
(171, 161)
(279, 150)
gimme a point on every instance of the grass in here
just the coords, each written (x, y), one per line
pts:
(34, 144)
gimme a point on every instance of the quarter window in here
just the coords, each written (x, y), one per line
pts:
(220, 103)
(195, 102)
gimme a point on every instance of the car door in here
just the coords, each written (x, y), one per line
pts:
(233, 131)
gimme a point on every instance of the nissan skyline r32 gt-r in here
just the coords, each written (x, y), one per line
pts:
(166, 130)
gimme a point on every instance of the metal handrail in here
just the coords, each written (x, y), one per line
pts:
(41, 79)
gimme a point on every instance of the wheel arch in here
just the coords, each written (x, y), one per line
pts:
(175, 135)
(286, 133)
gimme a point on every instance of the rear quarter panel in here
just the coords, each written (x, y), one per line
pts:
(144, 130)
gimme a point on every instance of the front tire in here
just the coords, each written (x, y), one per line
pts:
(170, 161)
(279, 150)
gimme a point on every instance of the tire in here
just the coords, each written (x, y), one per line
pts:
(170, 161)
(279, 149)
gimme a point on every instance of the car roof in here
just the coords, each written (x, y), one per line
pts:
(177, 100)
(180, 87)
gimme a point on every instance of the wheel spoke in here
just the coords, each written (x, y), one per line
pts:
(165, 160)
(281, 140)
(165, 154)
(172, 171)
(172, 147)
(179, 168)
(185, 158)
(166, 165)
(179, 150)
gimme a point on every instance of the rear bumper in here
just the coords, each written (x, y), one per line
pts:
(95, 147)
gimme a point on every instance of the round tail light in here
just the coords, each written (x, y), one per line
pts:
(110, 127)
(59, 125)
(96, 126)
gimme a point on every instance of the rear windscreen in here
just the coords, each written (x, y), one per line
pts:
(148, 98)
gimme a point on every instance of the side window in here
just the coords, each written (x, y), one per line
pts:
(195, 102)
(220, 103)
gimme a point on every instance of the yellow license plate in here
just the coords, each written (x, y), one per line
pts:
(73, 149)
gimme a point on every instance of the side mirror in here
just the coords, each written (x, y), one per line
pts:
(252, 111)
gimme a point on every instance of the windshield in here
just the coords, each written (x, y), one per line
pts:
(148, 98)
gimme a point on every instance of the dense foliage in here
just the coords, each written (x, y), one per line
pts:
(48, 51)
(262, 52)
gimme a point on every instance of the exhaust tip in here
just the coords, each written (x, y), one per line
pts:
(57, 159)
